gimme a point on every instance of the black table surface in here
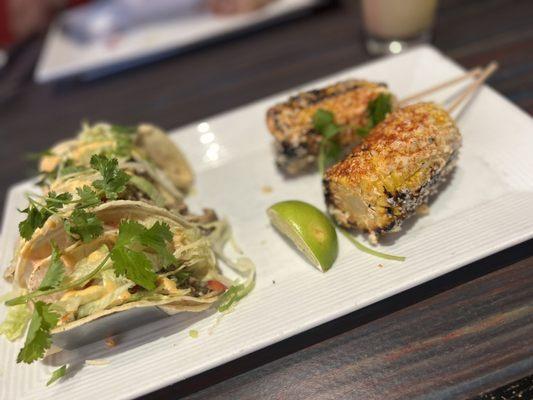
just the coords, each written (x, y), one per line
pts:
(460, 335)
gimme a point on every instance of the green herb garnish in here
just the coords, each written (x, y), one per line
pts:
(88, 197)
(324, 123)
(377, 111)
(35, 219)
(134, 264)
(114, 179)
(329, 153)
(234, 294)
(80, 224)
(368, 250)
(330, 150)
(38, 339)
(38, 213)
(57, 374)
(83, 225)
(56, 271)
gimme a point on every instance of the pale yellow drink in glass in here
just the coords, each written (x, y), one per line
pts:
(393, 25)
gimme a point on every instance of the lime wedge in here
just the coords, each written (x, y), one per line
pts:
(309, 229)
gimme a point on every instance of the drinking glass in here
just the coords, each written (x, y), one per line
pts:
(391, 26)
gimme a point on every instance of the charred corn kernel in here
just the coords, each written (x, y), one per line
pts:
(291, 123)
(394, 171)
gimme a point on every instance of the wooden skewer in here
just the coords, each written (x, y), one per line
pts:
(472, 73)
(488, 71)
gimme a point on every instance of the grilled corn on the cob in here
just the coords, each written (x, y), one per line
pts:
(291, 123)
(394, 171)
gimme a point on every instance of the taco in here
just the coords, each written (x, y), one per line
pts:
(145, 256)
(158, 169)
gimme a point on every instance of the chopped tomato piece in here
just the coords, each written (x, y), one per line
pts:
(216, 286)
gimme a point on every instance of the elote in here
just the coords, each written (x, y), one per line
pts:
(297, 141)
(394, 171)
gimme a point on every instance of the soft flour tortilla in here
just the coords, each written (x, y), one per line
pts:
(164, 153)
(171, 306)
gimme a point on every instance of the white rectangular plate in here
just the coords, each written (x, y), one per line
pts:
(63, 56)
(486, 207)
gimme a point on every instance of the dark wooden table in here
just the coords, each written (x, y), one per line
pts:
(455, 337)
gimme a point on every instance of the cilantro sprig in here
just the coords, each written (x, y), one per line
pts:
(35, 219)
(87, 197)
(133, 263)
(83, 225)
(80, 224)
(38, 213)
(113, 180)
(38, 339)
(56, 271)
(324, 123)
(330, 150)
(377, 111)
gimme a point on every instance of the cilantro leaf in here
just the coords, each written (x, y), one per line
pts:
(330, 150)
(321, 119)
(155, 238)
(57, 374)
(324, 123)
(56, 201)
(329, 154)
(330, 131)
(128, 231)
(379, 108)
(38, 339)
(33, 221)
(36, 217)
(55, 273)
(83, 225)
(88, 197)
(114, 179)
(158, 233)
(135, 266)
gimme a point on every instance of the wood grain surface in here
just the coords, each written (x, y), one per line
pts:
(455, 337)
